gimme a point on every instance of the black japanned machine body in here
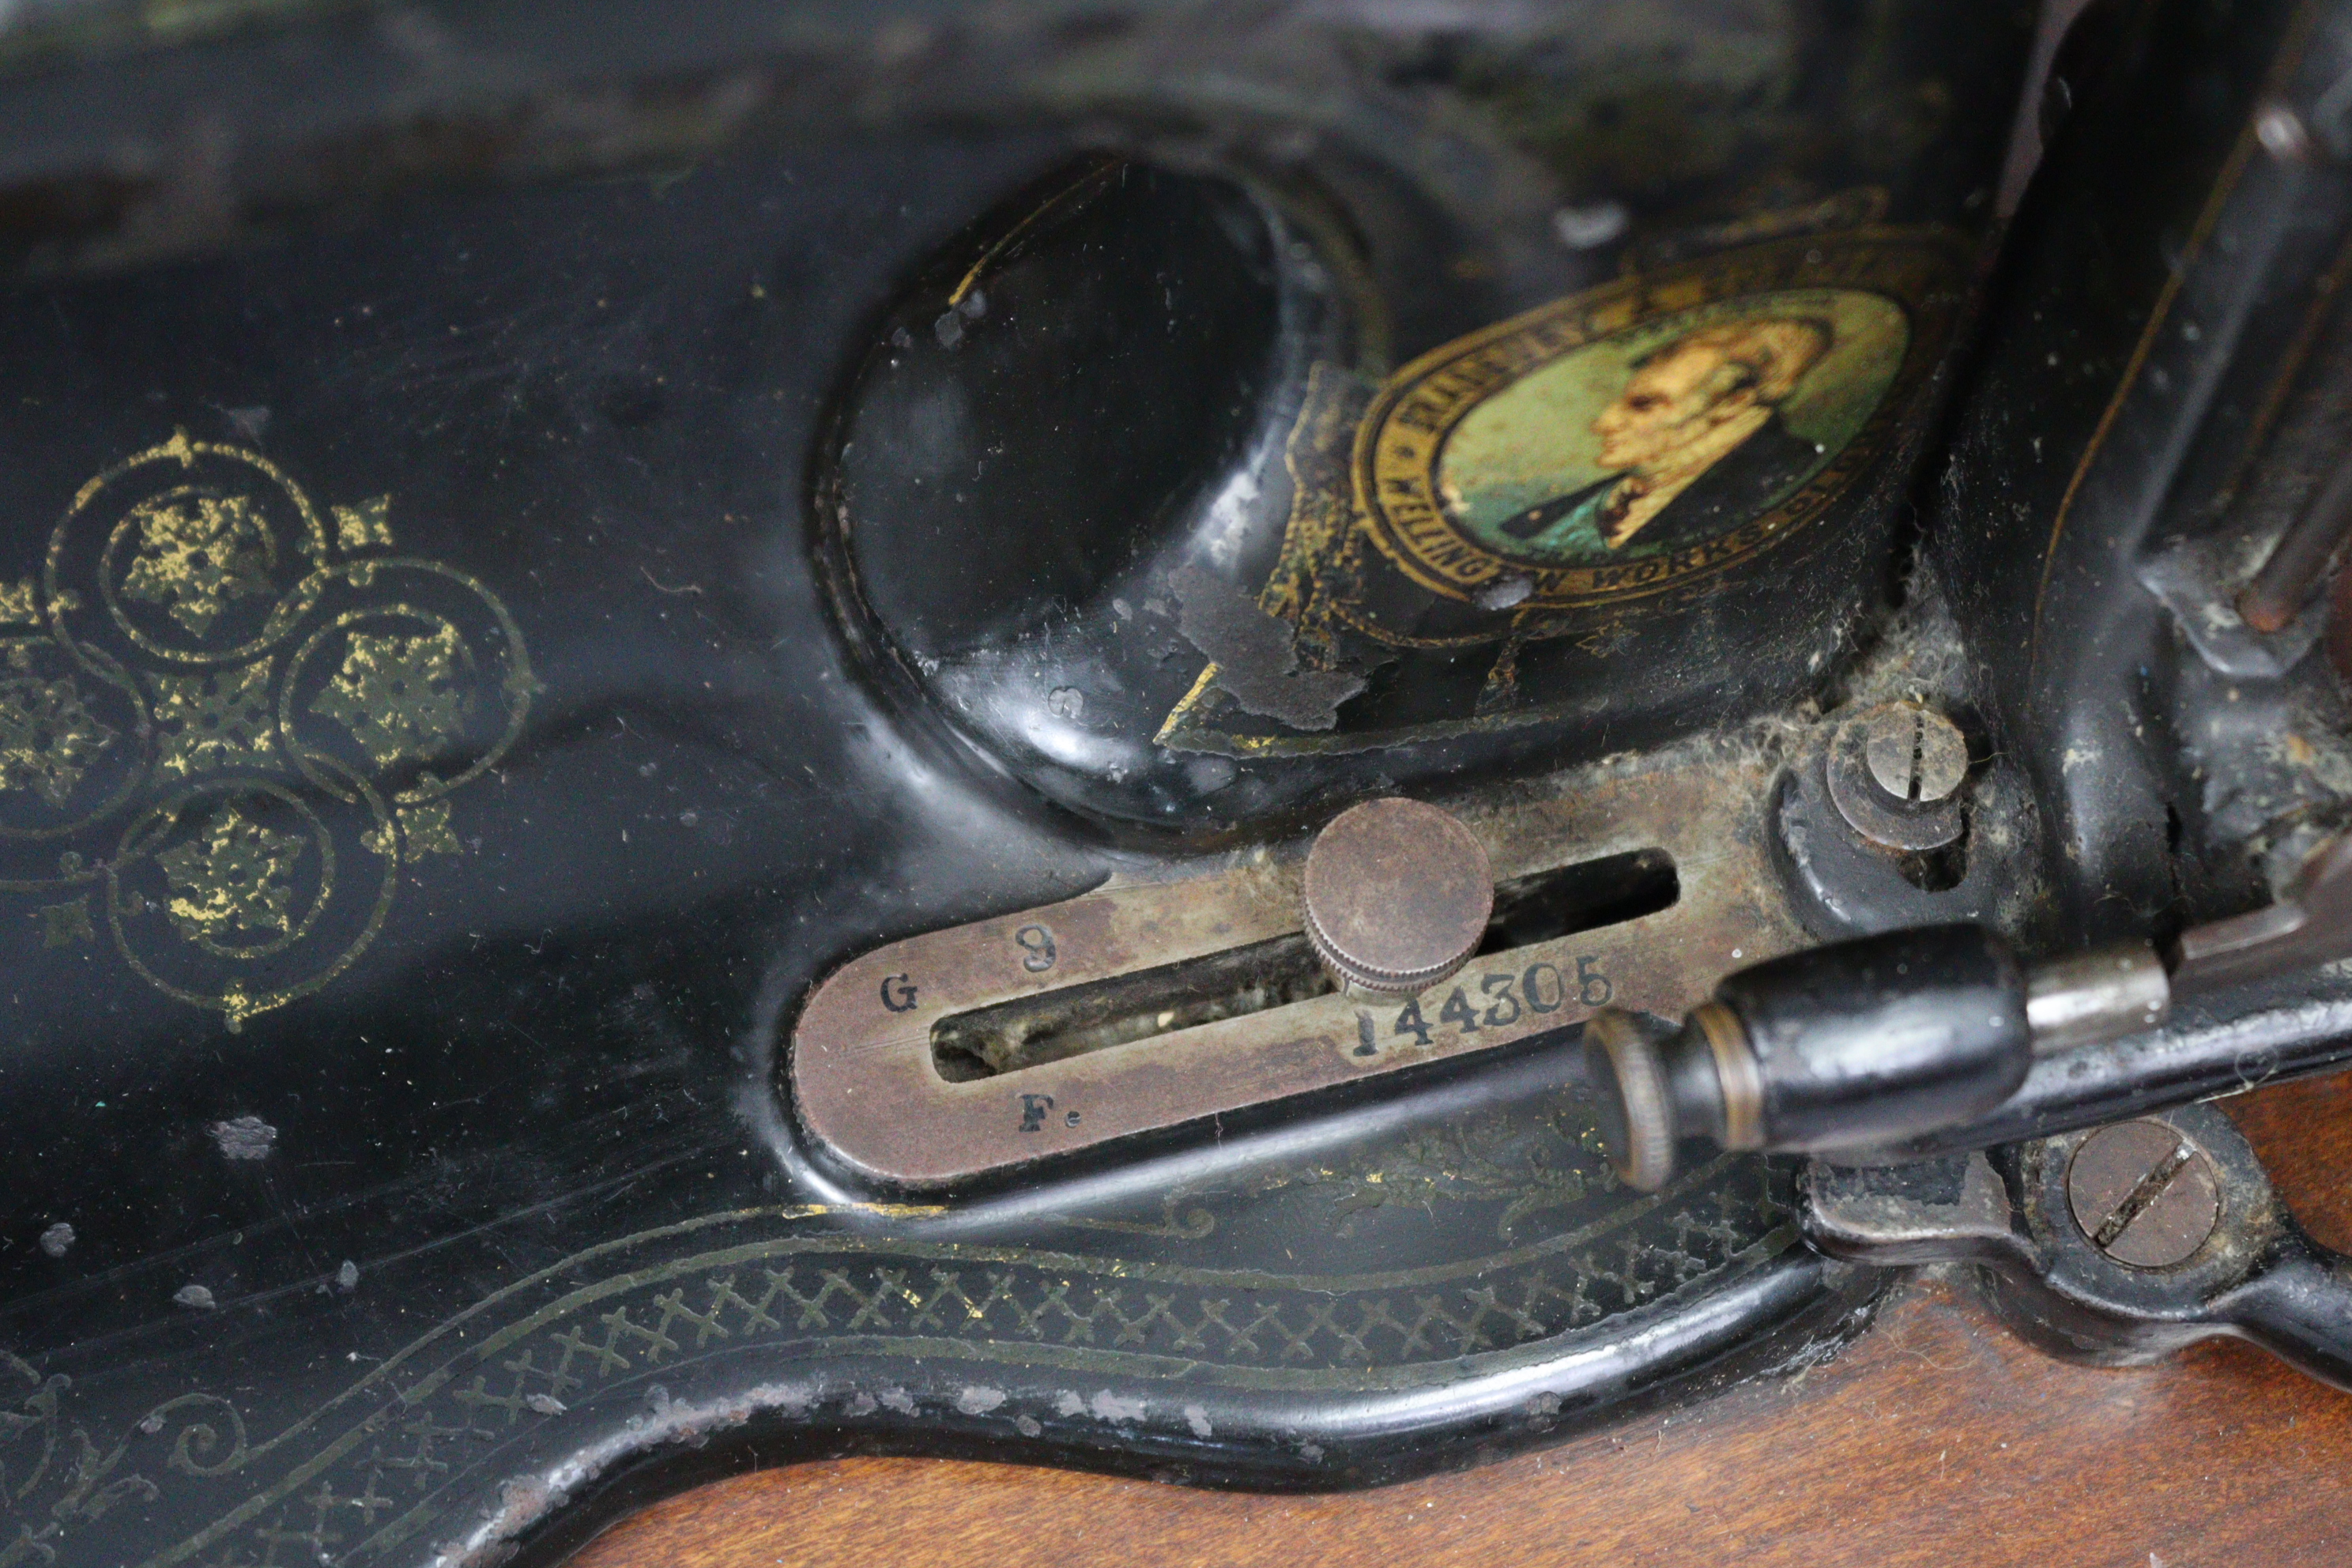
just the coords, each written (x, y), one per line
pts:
(532, 536)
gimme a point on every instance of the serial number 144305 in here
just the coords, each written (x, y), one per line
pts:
(1490, 1002)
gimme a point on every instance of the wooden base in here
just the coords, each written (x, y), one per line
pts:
(1936, 1441)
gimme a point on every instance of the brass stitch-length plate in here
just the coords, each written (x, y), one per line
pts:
(866, 1082)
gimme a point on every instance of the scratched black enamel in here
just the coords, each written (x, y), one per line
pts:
(528, 1183)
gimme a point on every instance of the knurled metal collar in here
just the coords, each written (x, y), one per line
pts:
(1397, 896)
(1736, 1074)
(1629, 1082)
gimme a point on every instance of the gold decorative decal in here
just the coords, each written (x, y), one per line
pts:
(1617, 465)
(399, 697)
(198, 554)
(1596, 459)
(217, 722)
(569, 1348)
(48, 739)
(234, 876)
(219, 719)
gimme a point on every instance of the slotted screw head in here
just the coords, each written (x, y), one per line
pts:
(1895, 772)
(2144, 1194)
(1914, 753)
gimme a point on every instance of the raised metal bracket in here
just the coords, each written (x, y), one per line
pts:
(1147, 1006)
(2228, 1260)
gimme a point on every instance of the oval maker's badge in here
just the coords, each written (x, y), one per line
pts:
(1630, 439)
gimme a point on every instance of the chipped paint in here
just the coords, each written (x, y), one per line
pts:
(244, 1137)
(1252, 655)
(979, 1401)
(1108, 1406)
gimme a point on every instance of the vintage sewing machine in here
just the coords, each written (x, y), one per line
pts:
(1270, 745)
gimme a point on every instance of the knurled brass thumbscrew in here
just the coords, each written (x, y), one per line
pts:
(1398, 894)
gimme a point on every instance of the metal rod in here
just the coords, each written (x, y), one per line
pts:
(2300, 559)
(2093, 996)
(2302, 1027)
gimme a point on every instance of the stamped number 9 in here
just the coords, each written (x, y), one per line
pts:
(1036, 947)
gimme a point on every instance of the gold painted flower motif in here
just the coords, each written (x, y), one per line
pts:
(198, 554)
(398, 696)
(47, 738)
(232, 875)
(262, 631)
(219, 719)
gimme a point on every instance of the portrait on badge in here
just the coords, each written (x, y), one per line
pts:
(1514, 518)
(1672, 432)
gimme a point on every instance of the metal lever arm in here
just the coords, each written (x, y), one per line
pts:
(2299, 1308)
(1909, 1043)
(1860, 1043)
(2058, 1268)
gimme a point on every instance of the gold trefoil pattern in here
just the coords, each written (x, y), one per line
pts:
(228, 719)
(196, 555)
(237, 875)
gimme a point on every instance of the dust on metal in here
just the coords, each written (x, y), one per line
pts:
(2145, 1195)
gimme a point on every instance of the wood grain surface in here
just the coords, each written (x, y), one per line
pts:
(1936, 1439)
